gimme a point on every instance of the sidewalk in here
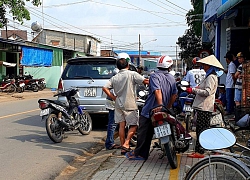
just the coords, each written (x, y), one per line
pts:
(110, 165)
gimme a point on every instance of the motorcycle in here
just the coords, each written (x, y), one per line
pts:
(171, 134)
(61, 117)
(8, 85)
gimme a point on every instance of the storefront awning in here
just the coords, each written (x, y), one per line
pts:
(227, 6)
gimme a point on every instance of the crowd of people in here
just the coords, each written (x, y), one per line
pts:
(121, 91)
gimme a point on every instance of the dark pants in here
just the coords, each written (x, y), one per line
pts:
(230, 100)
(144, 137)
(202, 123)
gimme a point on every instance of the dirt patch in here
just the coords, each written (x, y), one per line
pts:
(5, 97)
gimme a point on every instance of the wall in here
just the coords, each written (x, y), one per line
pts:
(51, 74)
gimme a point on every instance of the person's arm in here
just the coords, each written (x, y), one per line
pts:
(158, 96)
(107, 91)
(146, 81)
(172, 100)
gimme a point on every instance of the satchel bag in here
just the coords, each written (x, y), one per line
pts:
(217, 120)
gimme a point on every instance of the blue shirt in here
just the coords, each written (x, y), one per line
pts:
(164, 81)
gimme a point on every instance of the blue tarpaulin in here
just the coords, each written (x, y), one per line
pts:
(32, 56)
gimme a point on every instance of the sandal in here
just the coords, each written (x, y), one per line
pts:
(126, 149)
(123, 152)
(131, 156)
(196, 155)
(114, 146)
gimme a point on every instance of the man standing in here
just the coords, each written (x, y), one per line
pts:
(238, 77)
(124, 85)
(230, 81)
(162, 91)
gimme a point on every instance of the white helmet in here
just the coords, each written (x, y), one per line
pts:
(164, 62)
(124, 56)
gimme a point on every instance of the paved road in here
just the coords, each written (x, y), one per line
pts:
(26, 152)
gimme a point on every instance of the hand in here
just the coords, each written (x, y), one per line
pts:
(189, 90)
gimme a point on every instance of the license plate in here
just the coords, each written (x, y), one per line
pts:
(90, 92)
(187, 108)
(162, 131)
(44, 112)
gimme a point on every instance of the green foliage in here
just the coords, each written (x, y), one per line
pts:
(190, 45)
(191, 42)
(16, 8)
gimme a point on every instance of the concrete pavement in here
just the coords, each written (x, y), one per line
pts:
(110, 164)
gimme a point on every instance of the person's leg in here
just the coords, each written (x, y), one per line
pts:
(237, 97)
(144, 136)
(130, 134)
(131, 118)
(203, 123)
(122, 132)
(230, 100)
(182, 100)
(110, 130)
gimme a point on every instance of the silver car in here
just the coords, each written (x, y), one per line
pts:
(89, 74)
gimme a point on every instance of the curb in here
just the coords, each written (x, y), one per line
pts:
(86, 165)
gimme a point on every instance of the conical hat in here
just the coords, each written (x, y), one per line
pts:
(212, 61)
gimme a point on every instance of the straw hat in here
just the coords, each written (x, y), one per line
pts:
(212, 61)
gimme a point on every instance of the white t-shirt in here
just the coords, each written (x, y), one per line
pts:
(195, 76)
(229, 78)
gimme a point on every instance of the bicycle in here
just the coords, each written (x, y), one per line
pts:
(225, 166)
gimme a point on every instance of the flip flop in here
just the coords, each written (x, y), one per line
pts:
(126, 149)
(131, 156)
(115, 146)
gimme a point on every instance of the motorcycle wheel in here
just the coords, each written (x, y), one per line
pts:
(171, 153)
(85, 125)
(41, 86)
(19, 89)
(54, 130)
(35, 88)
(11, 89)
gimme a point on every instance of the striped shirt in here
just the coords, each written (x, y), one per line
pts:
(238, 83)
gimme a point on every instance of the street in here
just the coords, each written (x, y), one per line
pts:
(26, 151)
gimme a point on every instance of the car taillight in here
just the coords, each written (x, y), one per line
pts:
(43, 104)
(60, 86)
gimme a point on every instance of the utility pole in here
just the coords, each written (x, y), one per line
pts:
(6, 25)
(139, 49)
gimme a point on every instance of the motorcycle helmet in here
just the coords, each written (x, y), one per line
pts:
(164, 62)
(195, 60)
(124, 56)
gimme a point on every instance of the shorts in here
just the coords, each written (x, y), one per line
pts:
(237, 95)
(131, 117)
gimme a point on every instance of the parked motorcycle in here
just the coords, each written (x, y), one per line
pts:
(8, 85)
(61, 117)
(171, 134)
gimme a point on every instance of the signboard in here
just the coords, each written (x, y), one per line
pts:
(204, 53)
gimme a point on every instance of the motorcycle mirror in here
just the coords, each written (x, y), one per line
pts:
(142, 93)
(216, 138)
(184, 83)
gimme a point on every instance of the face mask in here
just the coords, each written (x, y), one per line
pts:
(219, 73)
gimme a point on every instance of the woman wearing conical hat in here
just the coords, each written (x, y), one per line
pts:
(205, 97)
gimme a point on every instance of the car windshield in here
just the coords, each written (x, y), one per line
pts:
(87, 70)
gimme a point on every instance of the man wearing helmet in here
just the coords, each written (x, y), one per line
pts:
(162, 92)
(124, 85)
(194, 77)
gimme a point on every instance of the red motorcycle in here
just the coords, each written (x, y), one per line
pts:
(171, 134)
(8, 85)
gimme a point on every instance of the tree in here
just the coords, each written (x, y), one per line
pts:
(191, 42)
(16, 8)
